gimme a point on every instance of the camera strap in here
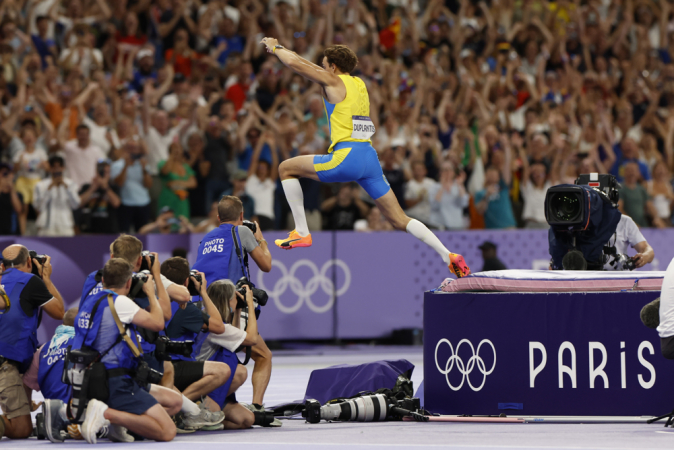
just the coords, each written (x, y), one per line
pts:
(248, 349)
(243, 261)
(135, 348)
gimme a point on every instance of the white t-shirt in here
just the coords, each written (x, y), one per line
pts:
(422, 210)
(262, 193)
(534, 201)
(31, 166)
(126, 309)
(90, 57)
(81, 162)
(666, 327)
(627, 235)
(97, 134)
(158, 146)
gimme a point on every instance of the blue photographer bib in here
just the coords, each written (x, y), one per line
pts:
(216, 256)
(51, 368)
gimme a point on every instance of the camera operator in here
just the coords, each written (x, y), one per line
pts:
(195, 379)
(217, 258)
(27, 293)
(627, 235)
(132, 403)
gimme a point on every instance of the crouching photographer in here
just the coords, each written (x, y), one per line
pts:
(24, 294)
(105, 367)
(222, 347)
(223, 255)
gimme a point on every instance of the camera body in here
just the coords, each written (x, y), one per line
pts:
(165, 347)
(191, 286)
(582, 217)
(137, 282)
(259, 295)
(143, 264)
(40, 259)
(250, 225)
(146, 375)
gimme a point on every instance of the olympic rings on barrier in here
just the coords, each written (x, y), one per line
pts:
(465, 370)
(305, 292)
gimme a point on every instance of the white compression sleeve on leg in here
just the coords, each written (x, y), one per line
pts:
(421, 232)
(295, 198)
(189, 406)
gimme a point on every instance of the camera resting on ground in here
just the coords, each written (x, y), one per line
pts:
(259, 295)
(367, 408)
(583, 217)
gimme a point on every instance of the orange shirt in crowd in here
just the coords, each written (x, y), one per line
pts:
(55, 113)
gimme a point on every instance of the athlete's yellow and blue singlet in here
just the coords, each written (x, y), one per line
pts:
(351, 156)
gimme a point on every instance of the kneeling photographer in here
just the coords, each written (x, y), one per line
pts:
(118, 388)
(195, 379)
(223, 255)
(222, 347)
(587, 230)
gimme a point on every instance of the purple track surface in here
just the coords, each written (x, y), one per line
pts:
(291, 373)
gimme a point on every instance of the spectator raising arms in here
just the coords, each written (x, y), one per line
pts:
(177, 178)
(261, 182)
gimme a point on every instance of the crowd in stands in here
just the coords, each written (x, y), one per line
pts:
(137, 115)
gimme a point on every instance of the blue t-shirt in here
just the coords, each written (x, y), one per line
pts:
(42, 48)
(133, 192)
(234, 44)
(247, 155)
(139, 80)
(499, 213)
(618, 166)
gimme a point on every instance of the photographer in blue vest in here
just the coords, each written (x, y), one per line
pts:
(195, 379)
(106, 326)
(218, 259)
(25, 295)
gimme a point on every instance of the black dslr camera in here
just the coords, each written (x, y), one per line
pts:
(143, 264)
(259, 295)
(137, 282)
(40, 259)
(166, 347)
(192, 287)
(250, 225)
(146, 375)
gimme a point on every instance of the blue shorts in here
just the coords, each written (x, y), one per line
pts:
(127, 395)
(353, 161)
(219, 395)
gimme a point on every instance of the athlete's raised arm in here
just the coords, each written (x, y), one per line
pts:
(301, 66)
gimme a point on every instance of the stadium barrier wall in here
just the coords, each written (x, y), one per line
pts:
(349, 285)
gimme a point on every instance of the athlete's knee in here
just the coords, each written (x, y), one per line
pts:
(285, 170)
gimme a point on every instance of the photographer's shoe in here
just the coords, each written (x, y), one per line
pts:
(205, 418)
(260, 408)
(117, 433)
(53, 422)
(458, 266)
(294, 240)
(94, 420)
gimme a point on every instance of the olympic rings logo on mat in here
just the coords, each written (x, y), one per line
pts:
(465, 369)
(304, 292)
